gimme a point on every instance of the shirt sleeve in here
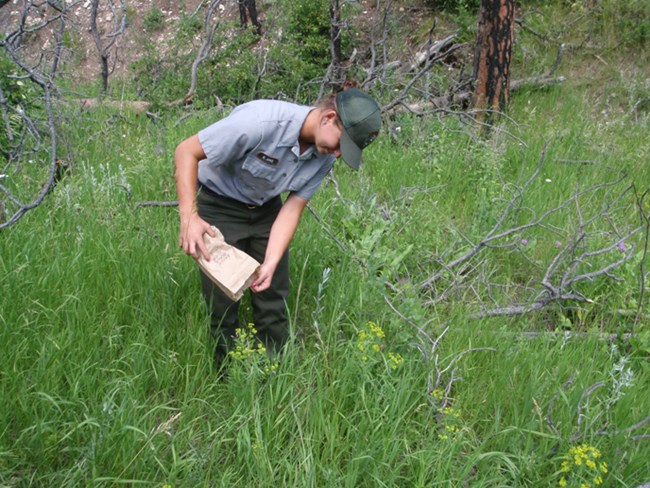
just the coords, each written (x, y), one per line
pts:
(309, 188)
(232, 137)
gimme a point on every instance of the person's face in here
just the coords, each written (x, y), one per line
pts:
(328, 135)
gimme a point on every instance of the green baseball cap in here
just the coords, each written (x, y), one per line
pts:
(361, 119)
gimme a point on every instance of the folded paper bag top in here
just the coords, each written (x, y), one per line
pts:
(229, 268)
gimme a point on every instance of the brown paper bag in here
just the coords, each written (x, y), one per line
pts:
(229, 268)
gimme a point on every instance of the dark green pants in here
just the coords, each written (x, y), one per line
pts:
(248, 229)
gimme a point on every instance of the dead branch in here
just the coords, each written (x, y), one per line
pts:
(209, 30)
(400, 99)
(629, 429)
(564, 335)
(588, 253)
(439, 377)
(581, 416)
(582, 404)
(105, 43)
(372, 69)
(30, 153)
(432, 51)
(455, 98)
(645, 221)
(156, 203)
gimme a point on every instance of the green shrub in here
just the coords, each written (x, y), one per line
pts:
(18, 93)
(188, 27)
(131, 14)
(154, 20)
(160, 79)
(453, 5)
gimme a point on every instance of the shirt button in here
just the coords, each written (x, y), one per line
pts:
(284, 174)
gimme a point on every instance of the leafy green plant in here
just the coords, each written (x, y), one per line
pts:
(153, 20)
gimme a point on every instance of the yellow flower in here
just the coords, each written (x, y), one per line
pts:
(598, 480)
(584, 485)
(395, 360)
(437, 394)
(375, 329)
(562, 481)
(603, 467)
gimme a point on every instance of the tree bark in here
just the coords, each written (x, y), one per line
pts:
(248, 9)
(492, 57)
(335, 37)
(103, 57)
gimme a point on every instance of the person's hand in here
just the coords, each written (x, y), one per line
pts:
(264, 277)
(191, 236)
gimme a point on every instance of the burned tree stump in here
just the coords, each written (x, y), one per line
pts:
(492, 57)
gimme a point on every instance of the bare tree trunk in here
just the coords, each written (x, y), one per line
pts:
(243, 18)
(252, 13)
(104, 46)
(335, 44)
(493, 56)
(248, 9)
(103, 57)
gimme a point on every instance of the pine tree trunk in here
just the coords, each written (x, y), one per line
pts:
(252, 13)
(493, 56)
(243, 19)
(248, 9)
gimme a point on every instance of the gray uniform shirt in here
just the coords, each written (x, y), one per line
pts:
(254, 155)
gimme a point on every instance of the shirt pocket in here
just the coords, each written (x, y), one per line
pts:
(258, 175)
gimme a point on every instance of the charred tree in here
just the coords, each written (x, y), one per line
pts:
(335, 44)
(493, 55)
(106, 44)
(248, 10)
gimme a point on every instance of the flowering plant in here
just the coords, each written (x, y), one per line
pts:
(582, 467)
(371, 346)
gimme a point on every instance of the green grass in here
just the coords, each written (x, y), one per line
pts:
(107, 378)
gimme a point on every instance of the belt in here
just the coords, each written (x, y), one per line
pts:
(214, 194)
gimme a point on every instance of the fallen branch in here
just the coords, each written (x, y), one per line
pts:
(157, 203)
(579, 259)
(438, 48)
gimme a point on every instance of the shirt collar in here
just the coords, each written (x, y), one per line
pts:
(292, 131)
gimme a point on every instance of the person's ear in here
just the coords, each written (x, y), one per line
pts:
(328, 117)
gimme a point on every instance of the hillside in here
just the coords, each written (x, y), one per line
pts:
(156, 23)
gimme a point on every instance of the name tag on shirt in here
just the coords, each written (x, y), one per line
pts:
(265, 158)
